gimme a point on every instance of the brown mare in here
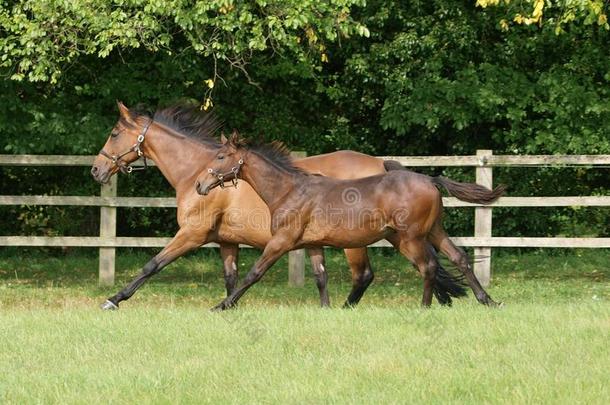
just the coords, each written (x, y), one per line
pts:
(315, 211)
(179, 140)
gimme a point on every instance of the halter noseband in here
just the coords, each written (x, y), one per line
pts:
(234, 172)
(117, 159)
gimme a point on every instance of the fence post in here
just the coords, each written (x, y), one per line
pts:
(107, 231)
(482, 220)
(296, 258)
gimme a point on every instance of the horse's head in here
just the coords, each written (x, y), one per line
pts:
(225, 167)
(122, 146)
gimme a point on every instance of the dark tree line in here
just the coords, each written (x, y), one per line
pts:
(413, 77)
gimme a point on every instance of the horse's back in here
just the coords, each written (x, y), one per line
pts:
(343, 164)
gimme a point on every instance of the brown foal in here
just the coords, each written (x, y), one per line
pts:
(315, 211)
(179, 140)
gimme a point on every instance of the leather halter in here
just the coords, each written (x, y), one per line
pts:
(234, 173)
(121, 164)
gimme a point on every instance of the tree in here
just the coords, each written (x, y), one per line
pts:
(440, 75)
(434, 77)
(42, 38)
(551, 12)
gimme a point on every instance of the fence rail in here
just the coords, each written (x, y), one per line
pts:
(482, 241)
(127, 241)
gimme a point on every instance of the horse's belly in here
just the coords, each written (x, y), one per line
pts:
(347, 233)
(249, 228)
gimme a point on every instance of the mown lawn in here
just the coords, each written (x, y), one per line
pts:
(548, 344)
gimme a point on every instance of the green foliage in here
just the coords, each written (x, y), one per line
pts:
(435, 77)
(441, 71)
(558, 14)
(43, 37)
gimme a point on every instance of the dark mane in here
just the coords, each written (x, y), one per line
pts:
(277, 154)
(185, 118)
(189, 120)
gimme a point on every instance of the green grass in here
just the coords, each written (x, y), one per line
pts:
(549, 344)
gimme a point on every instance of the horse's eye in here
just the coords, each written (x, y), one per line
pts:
(220, 157)
(114, 134)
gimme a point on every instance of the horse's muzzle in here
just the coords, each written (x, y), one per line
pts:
(204, 189)
(101, 176)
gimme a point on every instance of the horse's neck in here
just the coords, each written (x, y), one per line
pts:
(178, 159)
(270, 183)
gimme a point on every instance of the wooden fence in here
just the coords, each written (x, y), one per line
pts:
(482, 241)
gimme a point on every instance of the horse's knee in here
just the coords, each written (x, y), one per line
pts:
(429, 270)
(367, 276)
(319, 269)
(230, 275)
(321, 280)
(230, 269)
(362, 275)
(320, 274)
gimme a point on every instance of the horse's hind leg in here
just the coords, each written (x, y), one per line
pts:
(316, 256)
(362, 274)
(458, 257)
(418, 252)
(229, 254)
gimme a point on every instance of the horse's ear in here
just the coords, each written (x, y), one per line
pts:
(223, 138)
(124, 111)
(234, 138)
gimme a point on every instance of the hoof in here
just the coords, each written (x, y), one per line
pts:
(109, 306)
(221, 307)
(493, 304)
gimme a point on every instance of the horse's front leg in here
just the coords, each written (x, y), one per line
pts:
(229, 254)
(316, 255)
(184, 241)
(275, 248)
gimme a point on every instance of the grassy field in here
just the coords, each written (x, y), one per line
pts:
(548, 344)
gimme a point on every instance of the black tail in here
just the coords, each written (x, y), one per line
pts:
(469, 192)
(447, 285)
